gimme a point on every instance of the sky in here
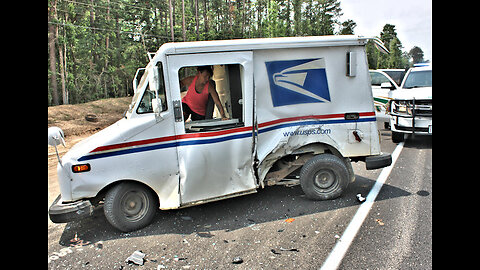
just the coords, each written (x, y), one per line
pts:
(412, 20)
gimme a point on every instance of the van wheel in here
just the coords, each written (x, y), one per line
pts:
(324, 177)
(130, 206)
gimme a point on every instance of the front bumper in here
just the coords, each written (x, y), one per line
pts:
(60, 212)
(417, 125)
(378, 161)
(411, 116)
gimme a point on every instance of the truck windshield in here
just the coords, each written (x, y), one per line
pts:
(418, 79)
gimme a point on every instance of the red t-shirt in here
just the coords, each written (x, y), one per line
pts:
(197, 102)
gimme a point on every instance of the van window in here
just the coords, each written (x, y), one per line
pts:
(145, 105)
(227, 82)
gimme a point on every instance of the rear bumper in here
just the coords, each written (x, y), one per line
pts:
(378, 161)
(60, 212)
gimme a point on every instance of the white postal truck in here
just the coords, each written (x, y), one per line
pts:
(299, 105)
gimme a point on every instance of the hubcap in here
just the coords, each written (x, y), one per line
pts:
(134, 205)
(324, 179)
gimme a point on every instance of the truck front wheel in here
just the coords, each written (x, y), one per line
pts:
(324, 177)
(397, 137)
(130, 206)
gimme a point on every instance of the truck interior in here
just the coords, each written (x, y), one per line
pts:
(227, 82)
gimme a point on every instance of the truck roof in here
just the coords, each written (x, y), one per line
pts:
(260, 44)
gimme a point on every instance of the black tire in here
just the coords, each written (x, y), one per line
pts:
(130, 206)
(91, 117)
(397, 137)
(324, 177)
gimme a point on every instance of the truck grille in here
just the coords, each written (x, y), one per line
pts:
(423, 107)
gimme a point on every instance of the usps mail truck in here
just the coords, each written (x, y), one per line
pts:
(299, 106)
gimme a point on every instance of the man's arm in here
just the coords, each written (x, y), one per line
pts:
(216, 99)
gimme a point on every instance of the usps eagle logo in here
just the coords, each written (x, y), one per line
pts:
(298, 81)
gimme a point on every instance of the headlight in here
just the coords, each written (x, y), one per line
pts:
(402, 107)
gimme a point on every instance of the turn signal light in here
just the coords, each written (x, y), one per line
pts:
(81, 168)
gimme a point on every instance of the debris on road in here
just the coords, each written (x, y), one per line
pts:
(77, 242)
(237, 260)
(176, 258)
(275, 252)
(379, 221)
(360, 198)
(289, 249)
(136, 258)
(99, 245)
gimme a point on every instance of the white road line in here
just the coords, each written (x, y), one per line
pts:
(338, 252)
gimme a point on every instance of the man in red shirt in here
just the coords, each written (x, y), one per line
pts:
(194, 103)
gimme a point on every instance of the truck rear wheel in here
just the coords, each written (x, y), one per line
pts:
(324, 177)
(130, 206)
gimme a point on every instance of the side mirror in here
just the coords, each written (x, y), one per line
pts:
(387, 85)
(157, 108)
(55, 136)
(153, 79)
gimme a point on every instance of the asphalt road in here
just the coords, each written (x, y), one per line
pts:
(396, 234)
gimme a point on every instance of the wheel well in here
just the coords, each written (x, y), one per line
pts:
(284, 165)
(317, 148)
(101, 194)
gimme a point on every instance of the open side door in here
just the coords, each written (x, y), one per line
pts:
(216, 156)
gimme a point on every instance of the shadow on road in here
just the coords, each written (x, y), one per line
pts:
(419, 142)
(269, 204)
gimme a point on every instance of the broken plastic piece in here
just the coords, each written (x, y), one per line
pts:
(77, 242)
(289, 220)
(136, 258)
(289, 249)
(360, 198)
(237, 260)
(275, 252)
(379, 221)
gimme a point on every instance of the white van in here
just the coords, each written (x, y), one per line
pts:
(411, 106)
(300, 105)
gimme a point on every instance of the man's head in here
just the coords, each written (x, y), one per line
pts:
(204, 74)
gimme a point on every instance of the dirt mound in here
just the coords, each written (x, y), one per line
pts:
(72, 119)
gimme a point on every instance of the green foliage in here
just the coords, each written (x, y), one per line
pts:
(397, 58)
(416, 53)
(103, 42)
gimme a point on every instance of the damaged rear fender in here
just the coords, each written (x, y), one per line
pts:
(296, 158)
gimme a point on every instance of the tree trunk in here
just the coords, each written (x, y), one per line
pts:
(205, 17)
(51, 47)
(183, 21)
(171, 19)
(196, 18)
